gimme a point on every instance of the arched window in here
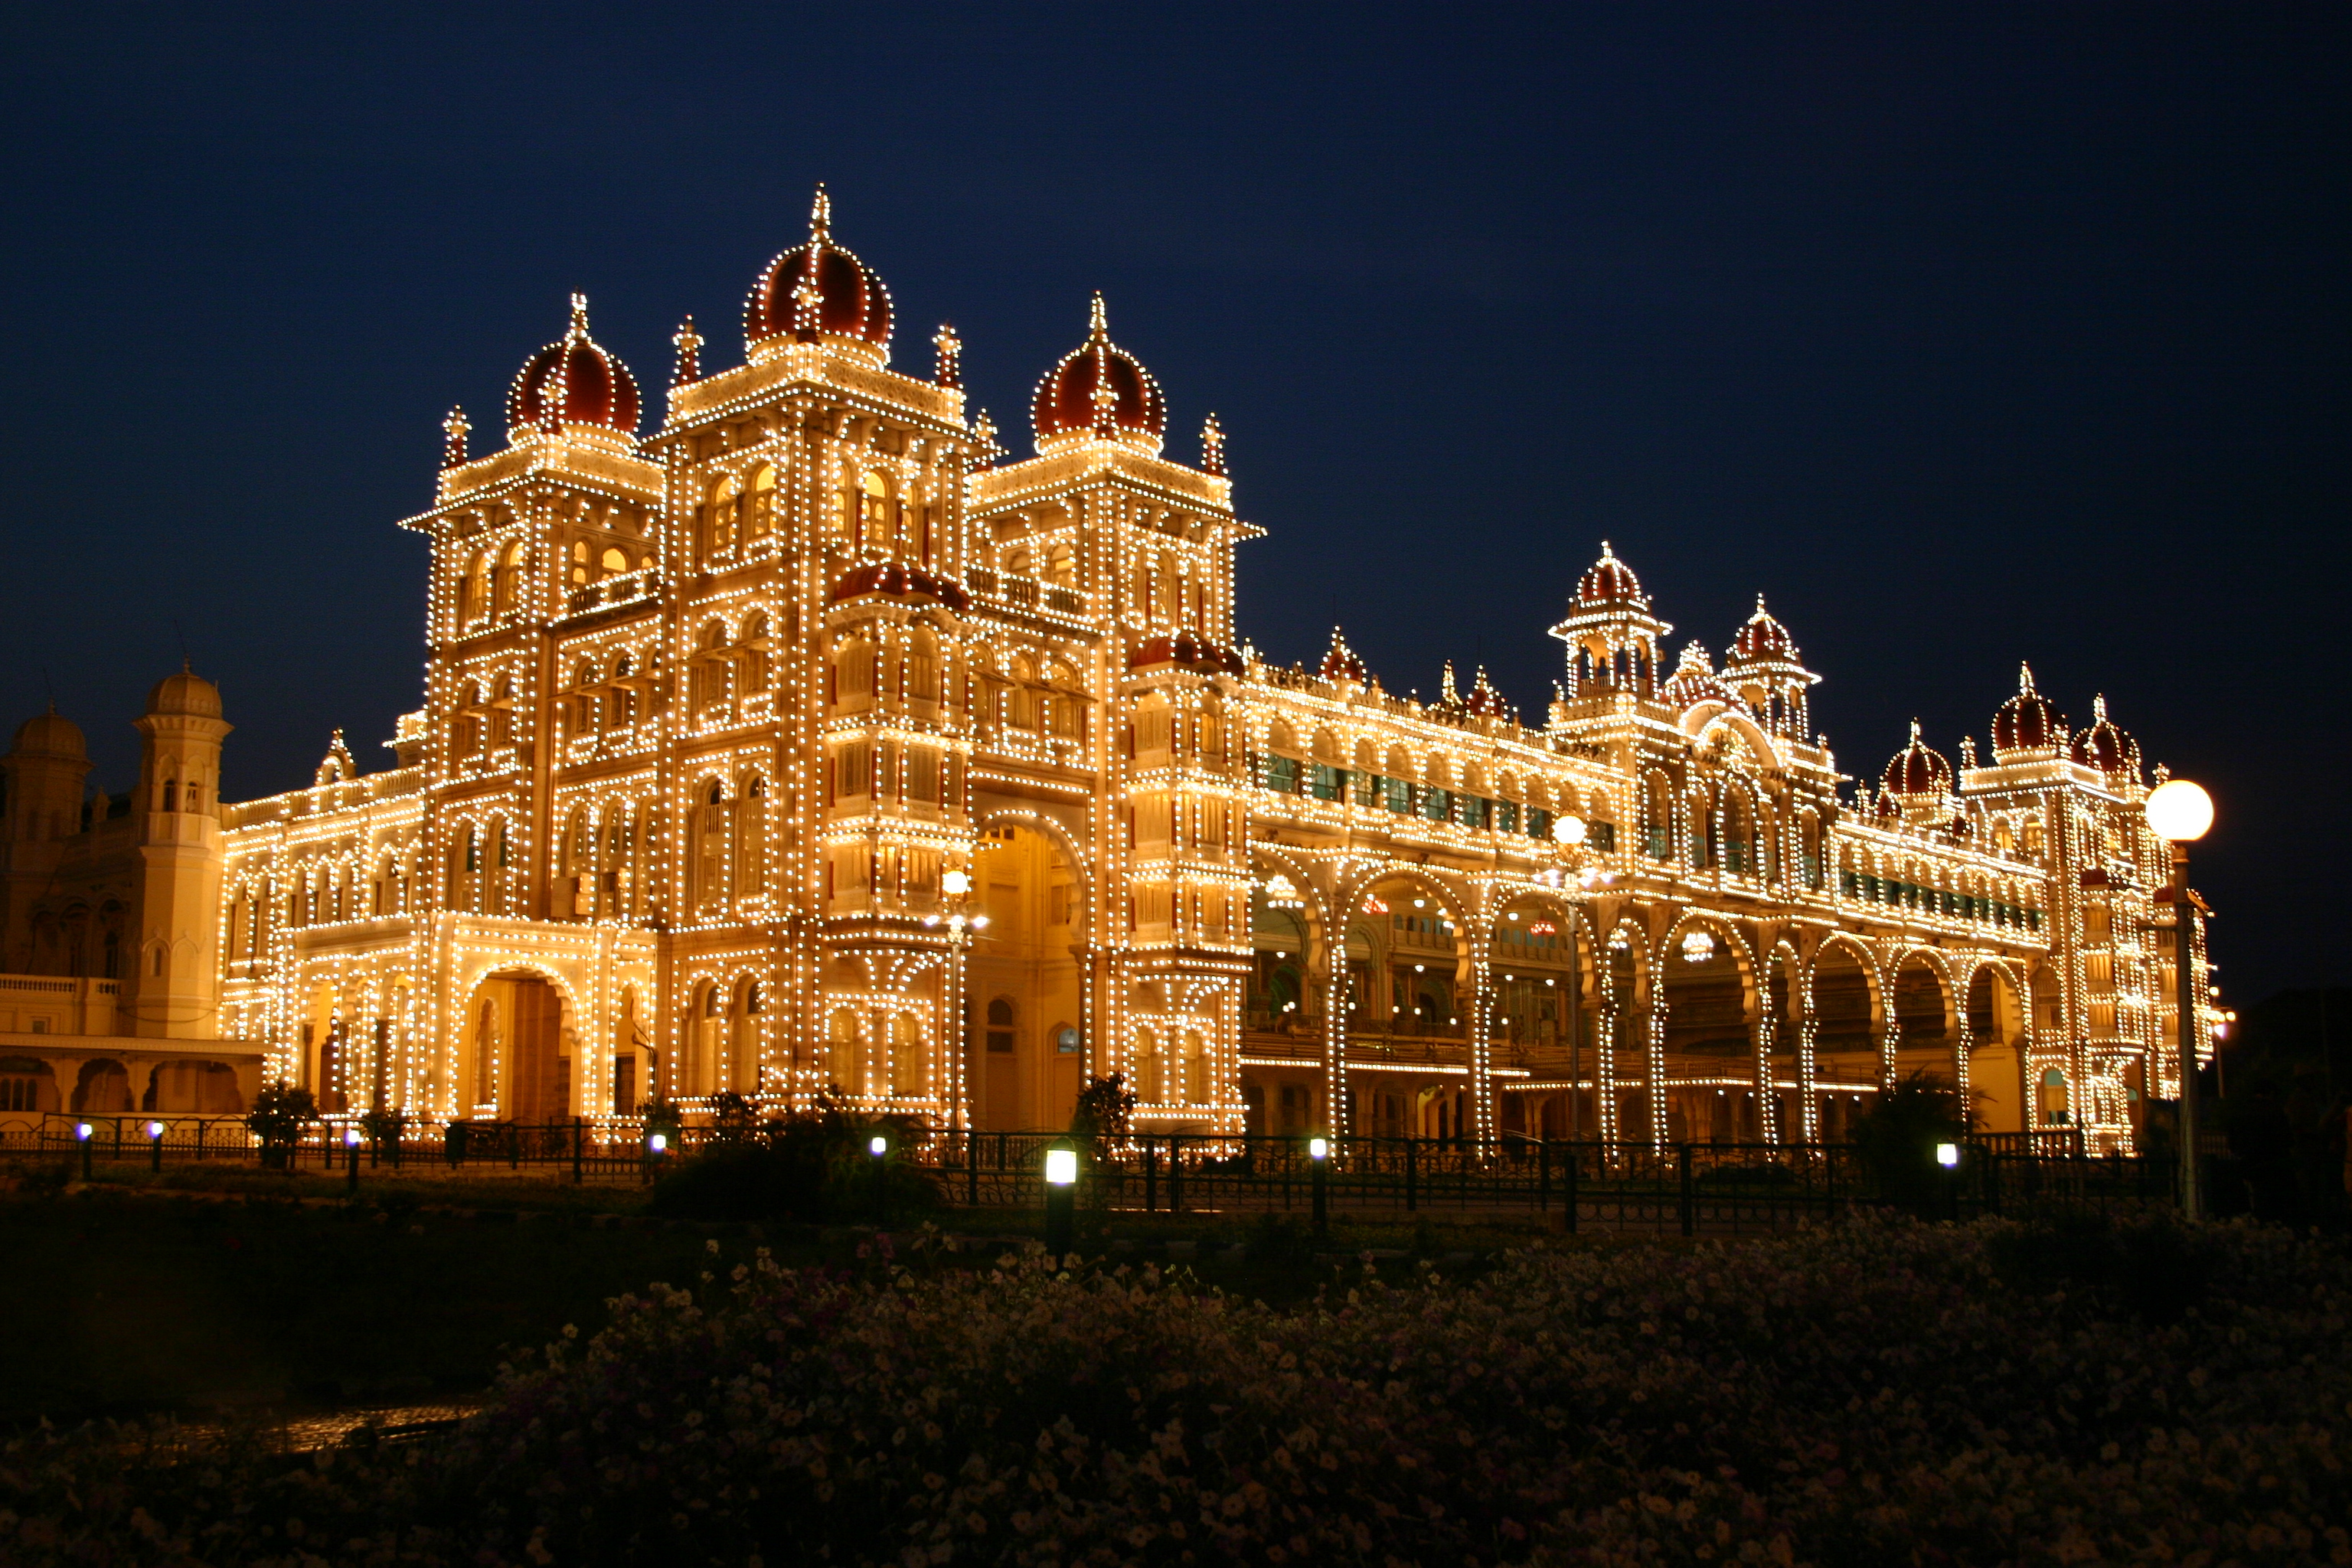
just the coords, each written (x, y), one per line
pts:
(506, 586)
(579, 562)
(472, 597)
(874, 519)
(910, 1065)
(719, 520)
(759, 509)
(755, 643)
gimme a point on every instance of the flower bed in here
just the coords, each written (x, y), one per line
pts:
(1874, 1393)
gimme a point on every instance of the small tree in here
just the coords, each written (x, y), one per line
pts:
(1897, 1138)
(279, 1113)
(1101, 1117)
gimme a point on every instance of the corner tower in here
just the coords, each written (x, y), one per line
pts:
(173, 991)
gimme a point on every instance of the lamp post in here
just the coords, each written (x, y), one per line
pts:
(1319, 1161)
(879, 1148)
(2179, 813)
(81, 1132)
(156, 1146)
(350, 1158)
(1061, 1198)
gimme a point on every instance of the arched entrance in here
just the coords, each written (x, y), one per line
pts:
(1710, 1024)
(521, 1066)
(102, 1087)
(1847, 1033)
(28, 1083)
(1996, 1050)
(1923, 1021)
(1535, 972)
(200, 1088)
(1028, 1060)
(1784, 990)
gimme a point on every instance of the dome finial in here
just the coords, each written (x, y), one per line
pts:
(1759, 601)
(688, 344)
(579, 314)
(1606, 553)
(1915, 732)
(2099, 709)
(453, 439)
(985, 449)
(821, 217)
(1100, 327)
(1213, 448)
(2024, 679)
(947, 367)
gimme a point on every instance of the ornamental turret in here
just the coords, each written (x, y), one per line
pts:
(1612, 636)
(1764, 671)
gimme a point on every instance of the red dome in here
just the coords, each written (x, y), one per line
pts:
(574, 381)
(1196, 654)
(1917, 769)
(1763, 638)
(1341, 663)
(1485, 700)
(1694, 681)
(2027, 721)
(816, 289)
(897, 582)
(1099, 388)
(1609, 581)
(2104, 745)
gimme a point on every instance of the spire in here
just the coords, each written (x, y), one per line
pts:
(2099, 709)
(1915, 733)
(2024, 679)
(1340, 663)
(1212, 447)
(579, 316)
(821, 217)
(453, 439)
(1445, 692)
(985, 449)
(688, 344)
(1098, 330)
(948, 368)
(1968, 751)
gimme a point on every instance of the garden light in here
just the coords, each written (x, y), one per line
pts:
(877, 1146)
(880, 1146)
(1317, 1148)
(155, 1130)
(1319, 1156)
(1061, 1199)
(1948, 1155)
(154, 1145)
(82, 1131)
(658, 1142)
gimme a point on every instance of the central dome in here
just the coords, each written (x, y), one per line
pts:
(817, 290)
(1918, 769)
(1609, 581)
(1099, 389)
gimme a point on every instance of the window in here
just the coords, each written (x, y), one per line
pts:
(999, 1034)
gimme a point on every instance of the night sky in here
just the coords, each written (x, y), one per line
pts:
(1966, 335)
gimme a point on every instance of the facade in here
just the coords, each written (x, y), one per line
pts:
(808, 742)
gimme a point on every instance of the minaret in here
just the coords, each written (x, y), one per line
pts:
(172, 987)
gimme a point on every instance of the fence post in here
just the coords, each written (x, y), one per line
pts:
(1175, 1172)
(579, 1141)
(514, 1146)
(1412, 1174)
(1150, 1177)
(200, 1138)
(1690, 1217)
(1543, 1175)
(971, 1168)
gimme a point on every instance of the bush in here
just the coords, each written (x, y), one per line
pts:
(809, 1167)
(1880, 1392)
(279, 1113)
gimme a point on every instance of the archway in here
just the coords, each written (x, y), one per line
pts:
(201, 1089)
(1847, 1032)
(521, 1068)
(102, 1087)
(1536, 975)
(1026, 976)
(28, 1083)
(1710, 1032)
(1784, 992)
(1924, 1021)
(1996, 1051)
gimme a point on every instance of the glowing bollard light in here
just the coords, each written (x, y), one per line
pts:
(879, 1148)
(82, 1134)
(154, 1145)
(1061, 1200)
(1949, 1156)
(1318, 1159)
(350, 1158)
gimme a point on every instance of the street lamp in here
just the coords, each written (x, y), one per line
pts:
(1061, 1199)
(2180, 813)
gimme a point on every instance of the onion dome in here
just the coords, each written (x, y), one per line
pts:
(1099, 390)
(50, 734)
(1341, 663)
(1694, 681)
(1610, 581)
(1763, 638)
(897, 582)
(185, 692)
(1917, 769)
(572, 382)
(1483, 700)
(1186, 651)
(2104, 745)
(817, 291)
(2027, 721)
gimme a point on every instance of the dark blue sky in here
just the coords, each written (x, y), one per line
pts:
(1966, 334)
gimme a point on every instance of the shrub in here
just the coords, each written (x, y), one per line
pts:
(1876, 1393)
(279, 1113)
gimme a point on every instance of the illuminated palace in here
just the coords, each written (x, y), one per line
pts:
(808, 741)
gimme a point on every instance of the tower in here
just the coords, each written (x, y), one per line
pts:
(174, 988)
